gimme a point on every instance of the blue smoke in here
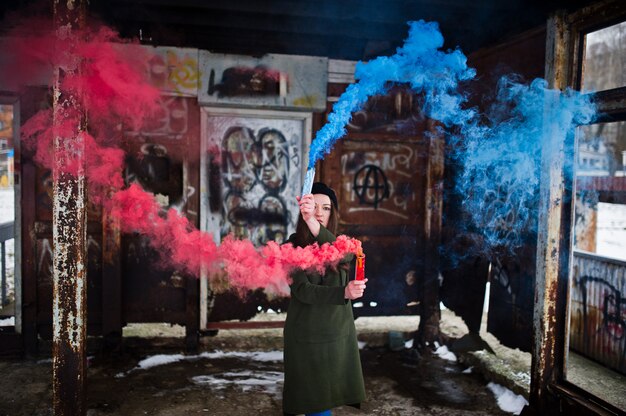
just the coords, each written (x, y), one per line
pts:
(501, 157)
(420, 63)
(499, 152)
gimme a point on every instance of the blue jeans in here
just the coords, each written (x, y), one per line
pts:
(324, 413)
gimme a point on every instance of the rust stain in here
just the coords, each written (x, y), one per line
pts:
(69, 238)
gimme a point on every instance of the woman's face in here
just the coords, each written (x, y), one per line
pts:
(322, 208)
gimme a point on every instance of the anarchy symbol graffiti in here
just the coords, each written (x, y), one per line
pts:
(370, 185)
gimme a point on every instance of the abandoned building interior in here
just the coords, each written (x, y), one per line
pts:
(486, 174)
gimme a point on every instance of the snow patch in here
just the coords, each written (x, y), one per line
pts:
(409, 343)
(507, 400)
(468, 370)
(361, 344)
(265, 381)
(8, 321)
(443, 352)
(162, 359)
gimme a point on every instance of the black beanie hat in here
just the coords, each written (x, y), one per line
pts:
(321, 188)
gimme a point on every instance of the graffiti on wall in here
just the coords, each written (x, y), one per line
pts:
(598, 309)
(612, 306)
(248, 82)
(158, 172)
(261, 175)
(171, 120)
(175, 70)
(45, 256)
(398, 112)
(371, 185)
(379, 180)
(283, 81)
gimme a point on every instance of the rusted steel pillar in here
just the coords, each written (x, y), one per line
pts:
(69, 222)
(430, 314)
(554, 233)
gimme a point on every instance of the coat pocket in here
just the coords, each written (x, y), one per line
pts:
(326, 323)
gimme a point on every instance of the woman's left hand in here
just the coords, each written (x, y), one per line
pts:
(355, 289)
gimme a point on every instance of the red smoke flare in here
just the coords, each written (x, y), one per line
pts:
(115, 97)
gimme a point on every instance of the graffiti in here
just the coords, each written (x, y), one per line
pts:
(45, 263)
(240, 159)
(613, 306)
(371, 186)
(307, 101)
(383, 180)
(175, 70)
(284, 81)
(274, 160)
(183, 72)
(295, 156)
(255, 172)
(246, 81)
(157, 173)
(598, 309)
(398, 111)
(171, 119)
(46, 255)
(275, 228)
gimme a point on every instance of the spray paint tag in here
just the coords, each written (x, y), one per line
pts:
(307, 186)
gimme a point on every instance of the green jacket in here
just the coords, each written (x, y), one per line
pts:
(322, 363)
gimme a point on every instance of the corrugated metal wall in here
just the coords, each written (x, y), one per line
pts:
(598, 309)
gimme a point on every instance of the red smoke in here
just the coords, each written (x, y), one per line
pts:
(188, 249)
(272, 263)
(112, 89)
(114, 97)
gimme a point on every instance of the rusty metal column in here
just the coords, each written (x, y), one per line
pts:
(430, 313)
(554, 232)
(69, 222)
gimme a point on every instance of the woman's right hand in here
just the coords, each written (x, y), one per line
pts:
(355, 289)
(307, 209)
(307, 206)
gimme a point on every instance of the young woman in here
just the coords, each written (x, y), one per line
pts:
(322, 363)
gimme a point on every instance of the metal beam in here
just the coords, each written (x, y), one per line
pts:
(430, 314)
(69, 219)
(280, 24)
(554, 231)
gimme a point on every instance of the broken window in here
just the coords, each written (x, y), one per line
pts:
(605, 59)
(597, 322)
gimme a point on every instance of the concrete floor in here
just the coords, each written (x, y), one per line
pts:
(597, 379)
(396, 383)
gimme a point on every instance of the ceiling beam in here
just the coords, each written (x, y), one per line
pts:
(276, 23)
